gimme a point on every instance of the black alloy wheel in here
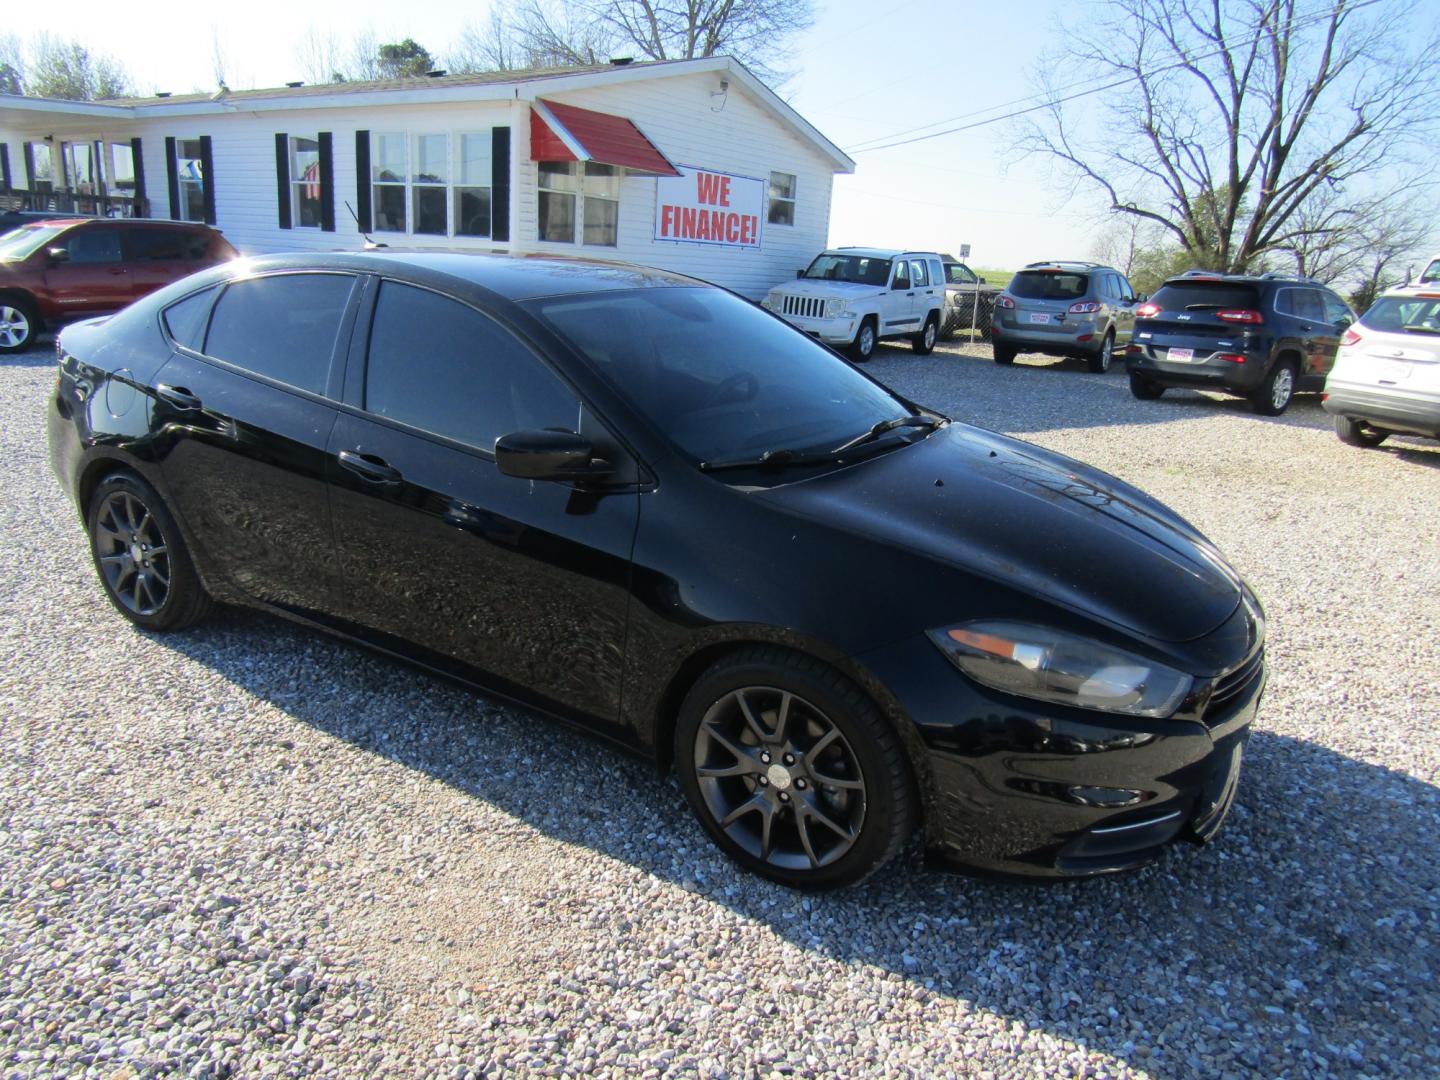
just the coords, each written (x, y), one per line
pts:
(792, 771)
(140, 556)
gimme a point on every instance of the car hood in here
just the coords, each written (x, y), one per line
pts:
(809, 287)
(1035, 521)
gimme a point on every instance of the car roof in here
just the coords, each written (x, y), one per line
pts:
(875, 253)
(1065, 264)
(514, 277)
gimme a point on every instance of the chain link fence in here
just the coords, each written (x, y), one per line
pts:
(967, 314)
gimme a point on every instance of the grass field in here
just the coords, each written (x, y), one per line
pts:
(995, 277)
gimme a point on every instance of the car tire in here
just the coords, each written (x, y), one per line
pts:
(1003, 354)
(746, 747)
(1143, 388)
(1099, 361)
(863, 347)
(1358, 433)
(140, 556)
(924, 342)
(1275, 392)
(19, 324)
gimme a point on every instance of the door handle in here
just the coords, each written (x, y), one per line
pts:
(118, 272)
(909, 294)
(369, 468)
(178, 397)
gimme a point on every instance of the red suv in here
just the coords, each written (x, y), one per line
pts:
(70, 268)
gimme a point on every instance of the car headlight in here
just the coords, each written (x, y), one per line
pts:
(770, 302)
(834, 309)
(1051, 665)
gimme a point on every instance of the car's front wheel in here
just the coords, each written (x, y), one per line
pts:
(1358, 433)
(863, 346)
(1275, 393)
(792, 770)
(140, 556)
(18, 325)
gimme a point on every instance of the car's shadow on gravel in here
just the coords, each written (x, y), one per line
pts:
(1273, 950)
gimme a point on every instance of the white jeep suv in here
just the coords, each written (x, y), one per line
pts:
(852, 297)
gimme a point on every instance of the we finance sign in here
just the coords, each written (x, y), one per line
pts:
(704, 207)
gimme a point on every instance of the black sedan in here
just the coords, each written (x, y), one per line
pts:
(644, 505)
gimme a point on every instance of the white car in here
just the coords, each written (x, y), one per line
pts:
(1431, 274)
(1386, 377)
(852, 297)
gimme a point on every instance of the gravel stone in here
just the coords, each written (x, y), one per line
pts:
(250, 850)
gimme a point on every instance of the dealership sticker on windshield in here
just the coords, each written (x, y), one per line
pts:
(1039, 316)
(1182, 356)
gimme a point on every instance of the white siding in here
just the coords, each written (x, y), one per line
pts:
(685, 115)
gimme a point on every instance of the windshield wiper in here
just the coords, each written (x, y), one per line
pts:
(770, 459)
(915, 420)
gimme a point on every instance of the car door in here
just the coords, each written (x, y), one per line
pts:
(525, 580)
(1338, 319)
(244, 418)
(929, 288)
(1320, 338)
(85, 271)
(897, 307)
(1123, 303)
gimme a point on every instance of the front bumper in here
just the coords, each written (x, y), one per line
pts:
(1393, 408)
(831, 331)
(1020, 789)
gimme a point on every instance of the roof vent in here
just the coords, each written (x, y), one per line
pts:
(296, 84)
(621, 61)
(436, 74)
(162, 93)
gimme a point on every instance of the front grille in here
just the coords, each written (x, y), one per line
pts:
(1234, 685)
(806, 307)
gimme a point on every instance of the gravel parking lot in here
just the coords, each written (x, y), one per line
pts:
(249, 850)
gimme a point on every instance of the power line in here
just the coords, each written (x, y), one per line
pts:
(862, 148)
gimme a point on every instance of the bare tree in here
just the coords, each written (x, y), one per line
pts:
(545, 33)
(1225, 121)
(363, 62)
(321, 56)
(1339, 238)
(488, 46)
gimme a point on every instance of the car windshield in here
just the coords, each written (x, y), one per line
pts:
(23, 242)
(719, 377)
(1431, 276)
(1049, 285)
(1404, 315)
(858, 269)
(958, 274)
(1197, 294)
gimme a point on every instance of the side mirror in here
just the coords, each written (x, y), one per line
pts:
(1142, 298)
(799, 273)
(549, 455)
(58, 255)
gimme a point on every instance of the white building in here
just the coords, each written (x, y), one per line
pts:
(691, 165)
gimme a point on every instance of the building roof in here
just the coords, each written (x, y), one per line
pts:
(481, 86)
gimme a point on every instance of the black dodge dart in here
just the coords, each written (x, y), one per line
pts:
(644, 505)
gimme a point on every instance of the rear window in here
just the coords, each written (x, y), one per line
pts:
(1049, 285)
(1404, 315)
(1431, 276)
(1206, 295)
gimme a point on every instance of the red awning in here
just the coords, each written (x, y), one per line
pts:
(566, 133)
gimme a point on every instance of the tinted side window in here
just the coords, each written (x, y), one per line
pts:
(186, 320)
(282, 327)
(93, 246)
(1336, 310)
(154, 245)
(440, 366)
(1306, 304)
(1126, 289)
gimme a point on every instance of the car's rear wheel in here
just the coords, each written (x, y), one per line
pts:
(1275, 393)
(141, 557)
(863, 346)
(1099, 361)
(1003, 354)
(1143, 388)
(1358, 432)
(18, 325)
(924, 342)
(792, 770)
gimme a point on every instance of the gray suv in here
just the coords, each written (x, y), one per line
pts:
(1079, 309)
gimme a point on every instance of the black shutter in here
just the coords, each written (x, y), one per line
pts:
(207, 169)
(172, 172)
(282, 177)
(362, 179)
(500, 183)
(29, 150)
(327, 182)
(4, 168)
(137, 158)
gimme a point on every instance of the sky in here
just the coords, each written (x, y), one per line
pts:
(866, 69)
